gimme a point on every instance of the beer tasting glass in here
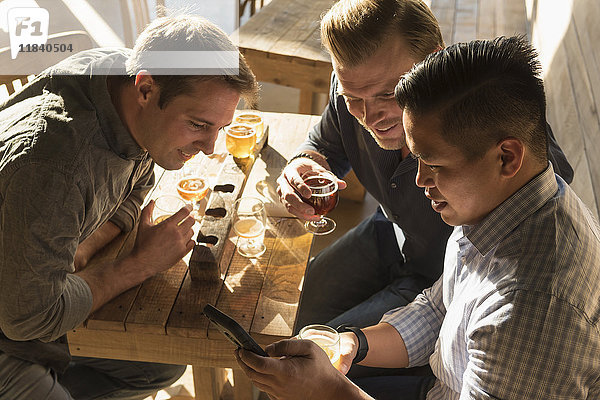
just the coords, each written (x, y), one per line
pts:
(249, 222)
(324, 188)
(165, 206)
(192, 188)
(240, 140)
(326, 338)
(254, 119)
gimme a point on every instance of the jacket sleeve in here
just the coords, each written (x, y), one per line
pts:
(326, 136)
(40, 220)
(129, 211)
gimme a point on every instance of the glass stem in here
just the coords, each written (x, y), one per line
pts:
(321, 222)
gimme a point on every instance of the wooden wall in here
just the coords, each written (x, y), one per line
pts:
(567, 35)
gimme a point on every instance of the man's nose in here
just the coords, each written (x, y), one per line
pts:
(208, 148)
(373, 112)
(423, 178)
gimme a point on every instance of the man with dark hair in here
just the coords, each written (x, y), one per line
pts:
(392, 256)
(515, 313)
(77, 153)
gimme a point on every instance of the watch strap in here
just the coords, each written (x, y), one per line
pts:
(363, 345)
(300, 155)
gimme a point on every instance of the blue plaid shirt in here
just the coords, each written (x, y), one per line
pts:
(515, 314)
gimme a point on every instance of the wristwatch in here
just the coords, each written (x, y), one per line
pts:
(363, 345)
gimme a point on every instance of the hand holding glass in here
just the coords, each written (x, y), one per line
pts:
(249, 221)
(326, 338)
(165, 206)
(324, 188)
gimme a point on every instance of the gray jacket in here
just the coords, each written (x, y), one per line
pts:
(67, 165)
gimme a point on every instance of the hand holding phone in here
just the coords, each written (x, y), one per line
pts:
(232, 330)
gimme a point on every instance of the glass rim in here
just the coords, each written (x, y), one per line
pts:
(236, 204)
(179, 188)
(228, 133)
(321, 328)
(326, 174)
(166, 197)
(254, 113)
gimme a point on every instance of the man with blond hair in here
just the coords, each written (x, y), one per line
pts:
(392, 256)
(77, 153)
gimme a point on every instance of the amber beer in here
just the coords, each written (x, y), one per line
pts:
(249, 228)
(326, 338)
(253, 119)
(323, 199)
(160, 219)
(240, 140)
(192, 188)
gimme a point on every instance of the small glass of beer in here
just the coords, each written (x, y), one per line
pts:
(326, 338)
(249, 221)
(254, 119)
(240, 140)
(165, 206)
(324, 198)
(192, 188)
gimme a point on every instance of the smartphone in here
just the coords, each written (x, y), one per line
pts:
(232, 330)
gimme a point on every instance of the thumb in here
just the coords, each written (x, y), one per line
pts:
(146, 217)
(344, 365)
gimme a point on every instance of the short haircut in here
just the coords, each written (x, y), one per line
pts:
(189, 33)
(352, 30)
(482, 92)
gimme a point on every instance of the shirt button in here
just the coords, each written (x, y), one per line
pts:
(396, 216)
(393, 185)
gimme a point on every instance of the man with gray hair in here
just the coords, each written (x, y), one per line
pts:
(77, 153)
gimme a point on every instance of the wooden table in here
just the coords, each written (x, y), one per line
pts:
(282, 45)
(161, 320)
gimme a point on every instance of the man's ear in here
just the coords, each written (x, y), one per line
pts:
(145, 86)
(512, 152)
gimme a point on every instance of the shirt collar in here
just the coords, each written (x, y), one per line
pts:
(514, 210)
(118, 137)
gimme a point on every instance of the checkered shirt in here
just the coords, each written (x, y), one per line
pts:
(515, 314)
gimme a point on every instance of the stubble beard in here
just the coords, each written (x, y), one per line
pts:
(386, 144)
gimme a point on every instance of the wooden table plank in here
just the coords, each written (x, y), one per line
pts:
(113, 314)
(152, 348)
(241, 288)
(278, 303)
(150, 311)
(302, 37)
(262, 30)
